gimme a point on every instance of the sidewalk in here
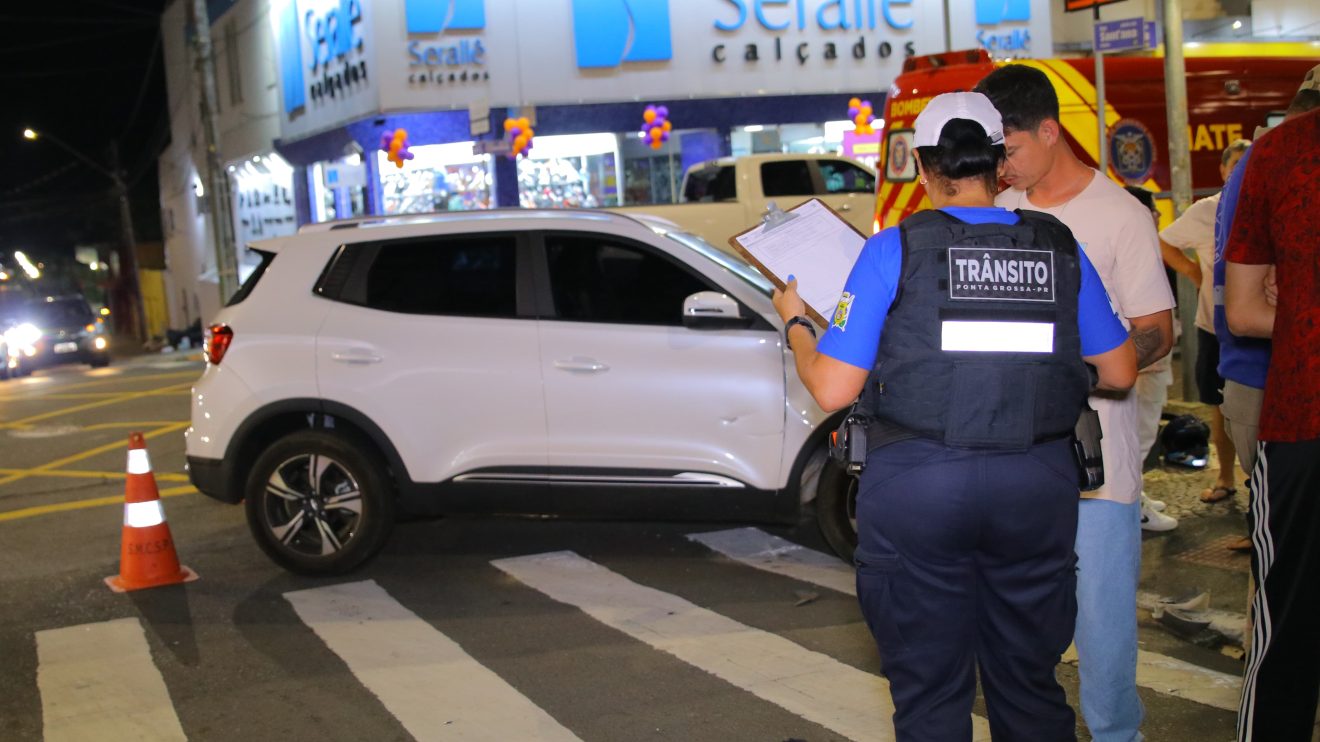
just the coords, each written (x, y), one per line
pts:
(1193, 558)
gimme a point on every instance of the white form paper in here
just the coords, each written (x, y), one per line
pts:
(817, 247)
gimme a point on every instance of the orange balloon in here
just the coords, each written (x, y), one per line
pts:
(529, 133)
(666, 125)
(520, 141)
(524, 123)
(655, 144)
(508, 124)
(854, 102)
(656, 133)
(648, 115)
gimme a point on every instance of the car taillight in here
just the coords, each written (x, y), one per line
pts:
(218, 338)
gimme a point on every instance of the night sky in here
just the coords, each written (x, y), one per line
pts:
(89, 72)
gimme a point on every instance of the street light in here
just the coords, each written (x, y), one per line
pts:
(128, 258)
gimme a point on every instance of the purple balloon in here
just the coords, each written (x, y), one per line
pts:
(664, 136)
(652, 108)
(515, 131)
(405, 154)
(866, 104)
(853, 111)
(662, 112)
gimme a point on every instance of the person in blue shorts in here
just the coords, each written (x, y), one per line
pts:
(964, 336)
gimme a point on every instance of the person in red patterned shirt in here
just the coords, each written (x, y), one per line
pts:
(1274, 245)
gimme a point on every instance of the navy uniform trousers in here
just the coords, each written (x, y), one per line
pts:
(965, 562)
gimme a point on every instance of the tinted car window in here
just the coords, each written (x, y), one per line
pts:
(594, 279)
(845, 177)
(61, 313)
(710, 184)
(789, 178)
(471, 276)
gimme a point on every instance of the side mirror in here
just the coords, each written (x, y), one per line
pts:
(711, 310)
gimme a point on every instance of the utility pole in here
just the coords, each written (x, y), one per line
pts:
(222, 214)
(1101, 153)
(1180, 174)
(130, 282)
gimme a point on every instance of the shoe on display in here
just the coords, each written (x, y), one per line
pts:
(1153, 520)
(1156, 505)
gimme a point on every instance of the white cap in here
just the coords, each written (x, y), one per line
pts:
(945, 107)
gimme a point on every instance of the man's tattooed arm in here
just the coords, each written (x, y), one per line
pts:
(1149, 343)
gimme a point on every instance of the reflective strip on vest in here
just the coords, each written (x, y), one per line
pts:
(1002, 337)
(143, 514)
(138, 463)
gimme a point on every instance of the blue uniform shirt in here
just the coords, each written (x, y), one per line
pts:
(1244, 360)
(873, 284)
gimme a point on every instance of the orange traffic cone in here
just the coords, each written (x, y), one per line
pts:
(146, 557)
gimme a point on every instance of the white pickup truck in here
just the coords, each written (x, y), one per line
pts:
(723, 197)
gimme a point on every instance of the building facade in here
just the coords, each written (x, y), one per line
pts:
(308, 88)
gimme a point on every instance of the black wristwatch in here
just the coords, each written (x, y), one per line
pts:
(798, 320)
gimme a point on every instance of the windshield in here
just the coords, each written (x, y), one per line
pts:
(736, 266)
(60, 313)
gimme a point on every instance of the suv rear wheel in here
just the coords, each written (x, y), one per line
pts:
(836, 509)
(319, 502)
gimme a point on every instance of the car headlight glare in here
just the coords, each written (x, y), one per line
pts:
(23, 336)
(100, 343)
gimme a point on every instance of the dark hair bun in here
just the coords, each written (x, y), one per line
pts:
(963, 151)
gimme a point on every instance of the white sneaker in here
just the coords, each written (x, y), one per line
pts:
(1153, 520)
(1156, 505)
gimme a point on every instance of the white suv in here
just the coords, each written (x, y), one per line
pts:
(548, 362)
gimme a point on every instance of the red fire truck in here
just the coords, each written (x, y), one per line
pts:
(1228, 97)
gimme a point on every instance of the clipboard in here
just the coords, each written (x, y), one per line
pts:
(810, 241)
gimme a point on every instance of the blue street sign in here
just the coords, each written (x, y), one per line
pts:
(1124, 35)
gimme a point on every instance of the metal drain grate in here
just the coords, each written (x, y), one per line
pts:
(1216, 554)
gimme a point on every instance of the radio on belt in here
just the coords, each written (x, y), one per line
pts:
(848, 444)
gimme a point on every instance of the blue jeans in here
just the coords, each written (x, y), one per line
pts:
(1108, 567)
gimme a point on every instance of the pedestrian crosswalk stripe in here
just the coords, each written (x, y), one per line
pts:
(770, 553)
(97, 681)
(1174, 677)
(817, 687)
(435, 689)
(765, 551)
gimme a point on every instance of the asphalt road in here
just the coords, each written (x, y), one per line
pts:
(498, 628)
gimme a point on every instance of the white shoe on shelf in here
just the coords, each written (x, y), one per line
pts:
(1154, 520)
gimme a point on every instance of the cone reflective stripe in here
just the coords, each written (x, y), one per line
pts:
(138, 460)
(146, 557)
(143, 514)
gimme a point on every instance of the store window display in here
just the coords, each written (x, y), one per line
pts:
(570, 171)
(439, 177)
(338, 188)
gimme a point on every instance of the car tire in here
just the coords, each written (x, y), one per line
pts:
(836, 509)
(322, 529)
(99, 362)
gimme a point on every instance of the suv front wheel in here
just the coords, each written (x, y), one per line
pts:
(319, 502)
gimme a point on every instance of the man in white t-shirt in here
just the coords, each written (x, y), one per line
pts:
(1119, 238)
(1195, 230)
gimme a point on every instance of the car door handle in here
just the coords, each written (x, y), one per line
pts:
(845, 207)
(586, 365)
(356, 357)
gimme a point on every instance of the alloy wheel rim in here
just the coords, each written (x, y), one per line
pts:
(313, 505)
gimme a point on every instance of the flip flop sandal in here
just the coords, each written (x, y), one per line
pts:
(1217, 494)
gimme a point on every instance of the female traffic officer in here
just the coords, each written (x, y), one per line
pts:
(962, 334)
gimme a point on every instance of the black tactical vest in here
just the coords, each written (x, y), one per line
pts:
(980, 348)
